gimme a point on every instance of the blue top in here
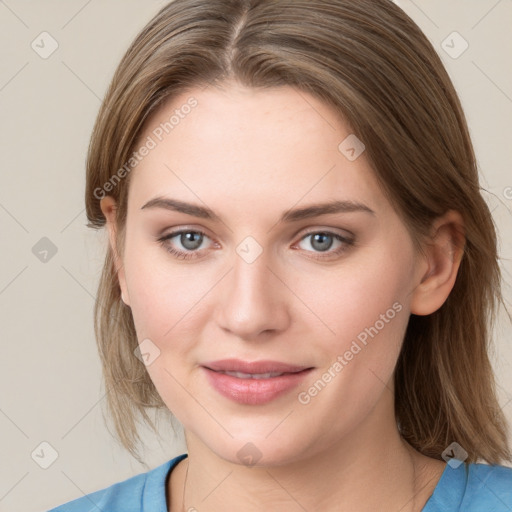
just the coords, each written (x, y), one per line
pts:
(466, 488)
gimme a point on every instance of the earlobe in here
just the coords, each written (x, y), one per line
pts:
(108, 207)
(443, 255)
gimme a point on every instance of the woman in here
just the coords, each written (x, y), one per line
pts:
(301, 266)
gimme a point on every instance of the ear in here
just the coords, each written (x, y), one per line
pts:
(439, 267)
(109, 208)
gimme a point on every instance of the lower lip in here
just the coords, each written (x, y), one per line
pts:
(254, 391)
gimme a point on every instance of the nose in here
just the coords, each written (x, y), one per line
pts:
(253, 302)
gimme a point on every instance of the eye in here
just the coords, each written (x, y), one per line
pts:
(190, 240)
(322, 241)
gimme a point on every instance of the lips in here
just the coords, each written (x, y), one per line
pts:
(253, 383)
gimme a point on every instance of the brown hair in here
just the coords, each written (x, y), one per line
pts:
(372, 64)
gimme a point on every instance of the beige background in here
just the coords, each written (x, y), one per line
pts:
(50, 380)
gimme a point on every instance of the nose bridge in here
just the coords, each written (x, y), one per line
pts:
(252, 303)
(251, 277)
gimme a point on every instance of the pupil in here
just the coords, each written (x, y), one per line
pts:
(187, 240)
(321, 237)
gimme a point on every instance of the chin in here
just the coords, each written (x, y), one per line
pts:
(260, 450)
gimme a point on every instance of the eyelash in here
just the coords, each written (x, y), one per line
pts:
(188, 255)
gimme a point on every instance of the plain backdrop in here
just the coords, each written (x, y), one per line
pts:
(50, 381)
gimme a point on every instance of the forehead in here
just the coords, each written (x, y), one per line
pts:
(245, 144)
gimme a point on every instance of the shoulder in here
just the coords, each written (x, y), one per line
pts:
(473, 488)
(128, 495)
(489, 486)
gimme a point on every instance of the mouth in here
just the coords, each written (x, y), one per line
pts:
(256, 368)
(254, 383)
(241, 375)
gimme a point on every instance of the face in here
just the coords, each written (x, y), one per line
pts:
(240, 266)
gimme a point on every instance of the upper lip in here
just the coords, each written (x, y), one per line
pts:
(237, 365)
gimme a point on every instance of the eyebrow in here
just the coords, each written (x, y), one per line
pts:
(294, 215)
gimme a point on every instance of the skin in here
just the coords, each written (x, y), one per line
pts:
(249, 156)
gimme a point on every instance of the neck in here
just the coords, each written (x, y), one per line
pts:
(371, 468)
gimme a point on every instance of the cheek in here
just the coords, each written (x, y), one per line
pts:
(165, 302)
(163, 294)
(352, 297)
(365, 305)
